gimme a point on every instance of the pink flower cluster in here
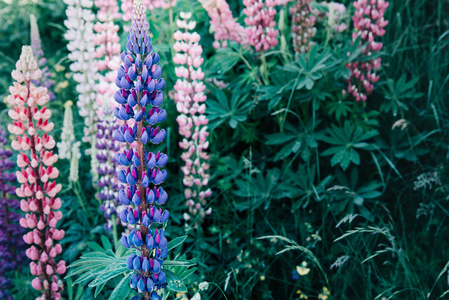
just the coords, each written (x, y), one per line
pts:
(369, 23)
(189, 99)
(303, 29)
(165, 4)
(222, 24)
(37, 175)
(261, 32)
(107, 51)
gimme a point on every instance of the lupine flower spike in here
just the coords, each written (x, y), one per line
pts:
(261, 32)
(107, 149)
(108, 55)
(12, 246)
(127, 6)
(37, 175)
(75, 162)
(39, 56)
(189, 99)
(303, 29)
(139, 97)
(107, 51)
(222, 24)
(84, 67)
(67, 148)
(68, 133)
(369, 23)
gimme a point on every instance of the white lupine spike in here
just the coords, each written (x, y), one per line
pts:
(68, 133)
(81, 44)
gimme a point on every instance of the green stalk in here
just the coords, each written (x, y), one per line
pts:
(78, 195)
(264, 69)
(114, 231)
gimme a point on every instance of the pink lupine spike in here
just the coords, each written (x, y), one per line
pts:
(368, 24)
(189, 99)
(34, 178)
(260, 32)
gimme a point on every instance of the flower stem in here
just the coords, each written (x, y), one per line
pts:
(114, 230)
(144, 205)
(75, 187)
(264, 70)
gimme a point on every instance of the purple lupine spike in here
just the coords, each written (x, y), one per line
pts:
(109, 157)
(139, 87)
(12, 246)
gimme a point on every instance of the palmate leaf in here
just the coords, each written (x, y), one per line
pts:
(398, 91)
(339, 107)
(294, 140)
(232, 110)
(348, 196)
(302, 186)
(346, 140)
(223, 61)
(410, 147)
(103, 266)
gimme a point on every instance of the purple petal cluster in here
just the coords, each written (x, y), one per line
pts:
(107, 170)
(139, 97)
(12, 246)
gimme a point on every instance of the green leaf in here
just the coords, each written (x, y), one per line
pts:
(279, 138)
(224, 60)
(285, 151)
(69, 282)
(176, 242)
(179, 263)
(122, 289)
(174, 282)
(346, 140)
(233, 123)
(107, 275)
(99, 288)
(106, 243)
(95, 246)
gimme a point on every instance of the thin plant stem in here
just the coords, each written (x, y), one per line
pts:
(80, 197)
(114, 230)
(224, 295)
(264, 70)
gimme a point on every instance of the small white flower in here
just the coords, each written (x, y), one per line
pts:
(204, 286)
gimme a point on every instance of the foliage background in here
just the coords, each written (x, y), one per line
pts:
(359, 193)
